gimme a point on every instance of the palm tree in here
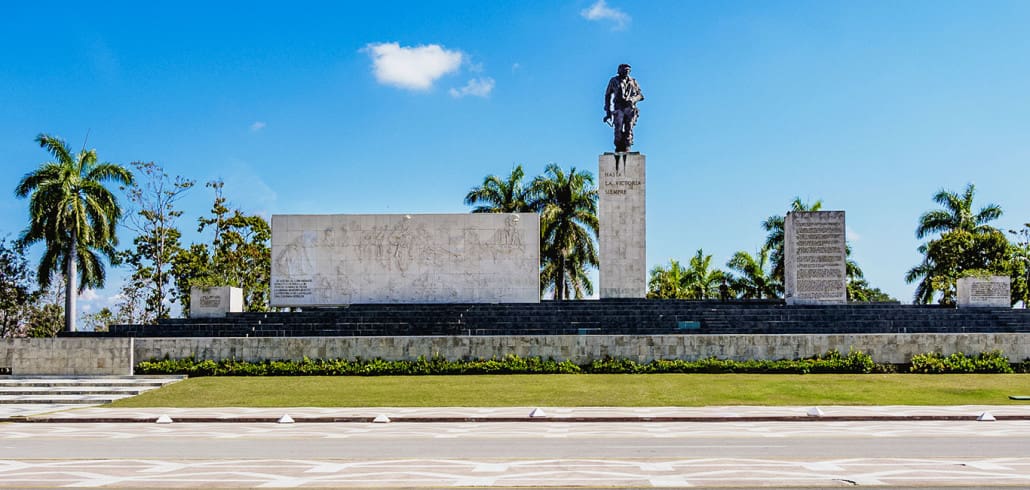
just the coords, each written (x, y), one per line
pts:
(956, 217)
(703, 281)
(957, 214)
(74, 215)
(498, 195)
(774, 225)
(666, 282)
(754, 281)
(568, 227)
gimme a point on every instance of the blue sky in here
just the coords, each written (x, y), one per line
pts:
(391, 107)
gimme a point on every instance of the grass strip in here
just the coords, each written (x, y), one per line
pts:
(603, 390)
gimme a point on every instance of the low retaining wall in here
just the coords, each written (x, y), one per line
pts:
(67, 357)
(581, 349)
(96, 356)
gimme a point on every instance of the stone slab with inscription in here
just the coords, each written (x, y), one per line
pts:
(341, 259)
(215, 302)
(984, 292)
(622, 225)
(815, 258)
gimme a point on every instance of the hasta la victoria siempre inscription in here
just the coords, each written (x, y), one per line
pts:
(325, 260)
(815, 257)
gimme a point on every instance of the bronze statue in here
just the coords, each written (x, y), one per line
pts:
(620, 107)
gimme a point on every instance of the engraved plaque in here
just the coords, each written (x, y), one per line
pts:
(815, 258)
(984, 292)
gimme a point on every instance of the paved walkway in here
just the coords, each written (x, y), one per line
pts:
(554, 454)
(522, 414)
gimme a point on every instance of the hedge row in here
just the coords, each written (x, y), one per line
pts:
(831, 362)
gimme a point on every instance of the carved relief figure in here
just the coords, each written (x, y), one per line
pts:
(294, 259)
(620, 107)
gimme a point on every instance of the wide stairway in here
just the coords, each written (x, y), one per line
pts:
(76, 390)
(612, 317)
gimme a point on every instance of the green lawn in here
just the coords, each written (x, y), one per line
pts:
(589, 390)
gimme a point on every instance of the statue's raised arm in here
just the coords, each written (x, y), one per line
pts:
(620, 107)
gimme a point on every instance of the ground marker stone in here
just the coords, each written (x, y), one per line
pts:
(537, 413)
(285, 419)
(381, 419)
(164, 419)
(815, 412)
(986, 417)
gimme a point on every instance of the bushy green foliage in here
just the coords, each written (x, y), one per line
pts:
(831, 362)
(985, 362)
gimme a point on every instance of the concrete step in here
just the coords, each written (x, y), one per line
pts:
(76, 390)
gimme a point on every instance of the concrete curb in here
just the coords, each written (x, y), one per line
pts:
(431, 419)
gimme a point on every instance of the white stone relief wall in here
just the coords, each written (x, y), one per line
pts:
(324, 260)
(815, 258)
(622, 225)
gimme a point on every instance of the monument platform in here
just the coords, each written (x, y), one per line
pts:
(607, 317)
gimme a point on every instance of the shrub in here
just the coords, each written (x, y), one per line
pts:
(936, 363)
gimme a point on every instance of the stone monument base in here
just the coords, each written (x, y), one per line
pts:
(623, 231)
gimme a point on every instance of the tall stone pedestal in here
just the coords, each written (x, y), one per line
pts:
(623, 271)
(815, 258)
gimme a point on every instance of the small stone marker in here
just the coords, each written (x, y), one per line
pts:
(215, 302)
(285, 419)
(986, 417)
(537, 413)
(815, 258)
(815, 412)
(984, 292)
(164, 419)
(381, 419)
(622, 230)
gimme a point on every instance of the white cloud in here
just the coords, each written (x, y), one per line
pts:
(600, 11)
(413, 68)
(479, 87)
(89, 295)
(257, 126)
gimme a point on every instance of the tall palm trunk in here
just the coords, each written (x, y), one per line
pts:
(70, 286)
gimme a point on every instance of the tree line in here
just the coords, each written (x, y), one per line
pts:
(74, 214)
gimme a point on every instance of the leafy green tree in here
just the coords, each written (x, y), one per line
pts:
(99, 321)
(666, 282)
(754, 279)
(860, 291)
(508, 195)
(568, 228)
(240, 255)
(966, 244)
(17, 294)
(698, 281)
(45, 316)
(74, 215)
(703, 281)
(157, 238)
(955, 254)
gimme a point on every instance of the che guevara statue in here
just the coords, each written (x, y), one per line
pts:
(620, 107)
